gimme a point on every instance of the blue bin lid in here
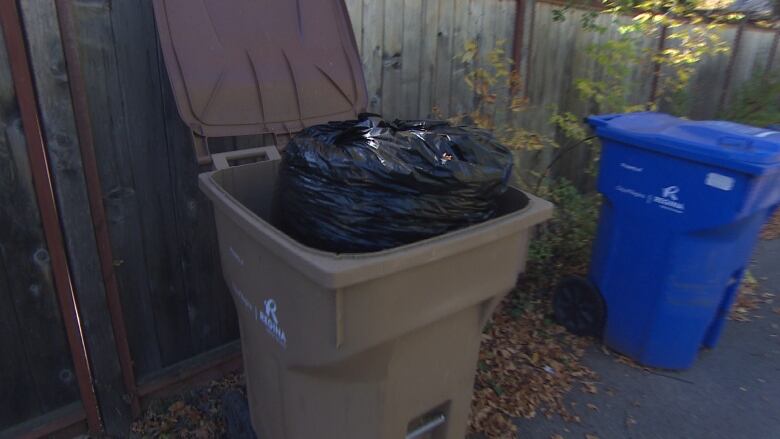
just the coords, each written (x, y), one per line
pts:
(725, 144)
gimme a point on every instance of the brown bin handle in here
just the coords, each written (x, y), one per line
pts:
(222, 160)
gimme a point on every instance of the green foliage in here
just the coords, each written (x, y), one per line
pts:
(757, 102)
(691, 36)
(564, 243)
(492, 83)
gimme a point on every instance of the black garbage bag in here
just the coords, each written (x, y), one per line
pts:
(367, 185)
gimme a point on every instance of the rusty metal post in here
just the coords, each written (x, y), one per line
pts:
(95, 194)
(517, 45)
(770, 62)
(732, 62)
(25, 93)
(657, 65)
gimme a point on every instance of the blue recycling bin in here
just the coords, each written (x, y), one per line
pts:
(683, 205)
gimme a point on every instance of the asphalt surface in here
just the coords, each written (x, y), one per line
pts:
(732, 392)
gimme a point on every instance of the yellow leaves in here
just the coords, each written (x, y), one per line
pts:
(641, 18)
(469, 52)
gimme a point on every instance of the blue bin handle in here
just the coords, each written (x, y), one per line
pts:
(596, 121)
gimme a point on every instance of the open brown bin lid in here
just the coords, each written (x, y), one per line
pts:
(245, 67)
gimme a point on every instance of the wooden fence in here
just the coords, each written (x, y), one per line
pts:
(410, 51)
(36, 371)
(175, 306)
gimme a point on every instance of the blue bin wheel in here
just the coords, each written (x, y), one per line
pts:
(579, 307)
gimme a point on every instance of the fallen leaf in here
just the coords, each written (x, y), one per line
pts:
(590, 388)
(772, 228)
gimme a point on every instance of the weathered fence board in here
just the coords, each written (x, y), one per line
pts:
(122, 209)
(416, 62)
(176, 304)
(442, 70)
(411, 72)
(372, 35)
(429, 40)
(54, 100)
(392, 58)
(35, 364)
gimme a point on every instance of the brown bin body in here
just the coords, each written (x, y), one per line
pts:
(360, 346)
(372, 346)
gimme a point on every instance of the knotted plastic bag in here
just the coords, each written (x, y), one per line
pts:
(368, 185)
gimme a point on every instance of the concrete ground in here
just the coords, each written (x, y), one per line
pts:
(732, 392)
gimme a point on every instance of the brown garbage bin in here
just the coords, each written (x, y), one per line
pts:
(379, 345)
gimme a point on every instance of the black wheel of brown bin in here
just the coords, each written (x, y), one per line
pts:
(579, 307)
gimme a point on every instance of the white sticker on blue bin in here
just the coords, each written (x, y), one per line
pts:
(266, 316)
(719, 181)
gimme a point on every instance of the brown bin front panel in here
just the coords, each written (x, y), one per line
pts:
(359, 346)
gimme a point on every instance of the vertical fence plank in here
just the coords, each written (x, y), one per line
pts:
(137, 46)
(19, 400)
(752, 59)
(707, 83)
(26, 259)
(445, 52)
(392, 58)
(54, 100)
(212, 316)
(429, 40)
(373, 34)
(476, 34)
(411, 62)
(114, 152)
(773, 61)
(460, 92)
(505, 22)
(35, 366)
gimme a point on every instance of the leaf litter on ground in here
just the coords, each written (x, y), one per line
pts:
(527, 363)
(195, 413)
(772, 228)
(749, 300)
